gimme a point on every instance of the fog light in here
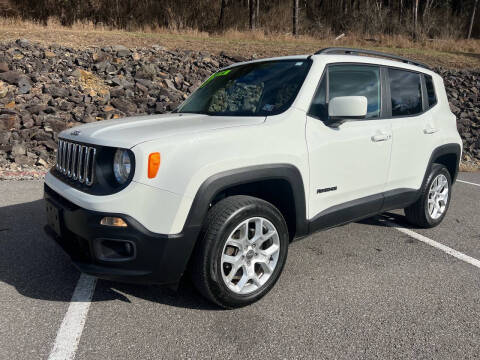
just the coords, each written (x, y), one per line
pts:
(113, 221)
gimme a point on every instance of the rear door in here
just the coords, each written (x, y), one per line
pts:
(349, 163)
(414, 129)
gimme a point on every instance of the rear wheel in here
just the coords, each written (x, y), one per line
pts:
(432, 206)
(241, 252)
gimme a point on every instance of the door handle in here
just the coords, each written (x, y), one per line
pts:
(430, 130)
(380, 137)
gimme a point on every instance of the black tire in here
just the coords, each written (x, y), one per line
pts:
(221, 220)
(417, 214)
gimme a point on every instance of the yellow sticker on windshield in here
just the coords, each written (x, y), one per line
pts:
(220, 73)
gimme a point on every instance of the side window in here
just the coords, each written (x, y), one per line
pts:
(356, 80)
(348, 80)
(432, 97)
(406, 92)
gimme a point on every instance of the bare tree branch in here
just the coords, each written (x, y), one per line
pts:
(472, 18)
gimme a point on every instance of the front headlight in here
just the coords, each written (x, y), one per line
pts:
(122, 165)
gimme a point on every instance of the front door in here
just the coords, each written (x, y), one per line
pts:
(349, 163)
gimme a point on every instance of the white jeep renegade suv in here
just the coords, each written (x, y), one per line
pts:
(262, 153)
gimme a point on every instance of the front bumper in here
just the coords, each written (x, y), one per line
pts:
(157, 258)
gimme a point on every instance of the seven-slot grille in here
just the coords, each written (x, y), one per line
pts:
(76, 161)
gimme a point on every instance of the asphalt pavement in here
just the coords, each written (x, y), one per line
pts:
(360, 291)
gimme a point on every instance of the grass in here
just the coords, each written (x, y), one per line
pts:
(449, 53)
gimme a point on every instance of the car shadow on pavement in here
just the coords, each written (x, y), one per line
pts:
(184, 297)
(380, 220)
(38, 268)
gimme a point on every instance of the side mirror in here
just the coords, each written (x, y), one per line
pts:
(343, 108)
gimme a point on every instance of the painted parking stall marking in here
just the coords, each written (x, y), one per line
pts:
(457, 254)
(468, 182)
(68, 336)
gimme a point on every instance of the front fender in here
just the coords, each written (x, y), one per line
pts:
(217, 183)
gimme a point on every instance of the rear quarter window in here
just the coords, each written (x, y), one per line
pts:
(406, 92)
(432, 96)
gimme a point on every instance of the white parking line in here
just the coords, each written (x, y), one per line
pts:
(70, 331)
(426, 240)
(467, 182)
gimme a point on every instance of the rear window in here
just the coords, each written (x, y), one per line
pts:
(432, 97)
(406, 92)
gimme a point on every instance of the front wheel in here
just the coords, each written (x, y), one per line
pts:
(430, 209)
(241, 252)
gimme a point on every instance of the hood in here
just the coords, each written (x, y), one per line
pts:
(128, 132)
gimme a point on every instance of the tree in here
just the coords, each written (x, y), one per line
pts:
(426, 9)
(400, 10)
(295, 18)
(450, 18)
(415, 19)
(472, 19)
(252, 14)
(222, 13)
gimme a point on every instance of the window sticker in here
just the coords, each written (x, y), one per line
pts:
(220, 73)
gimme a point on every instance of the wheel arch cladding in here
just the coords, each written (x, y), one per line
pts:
(447, 155)
(262, 181)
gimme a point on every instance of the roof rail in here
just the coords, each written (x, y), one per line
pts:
(351, 51)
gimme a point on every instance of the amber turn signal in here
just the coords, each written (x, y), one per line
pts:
(153, 164)
(113, 221)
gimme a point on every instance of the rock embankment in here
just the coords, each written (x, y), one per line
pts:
(44, 90)
(463, 91)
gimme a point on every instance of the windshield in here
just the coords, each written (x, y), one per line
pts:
(255, 89)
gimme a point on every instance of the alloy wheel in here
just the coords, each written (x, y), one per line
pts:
(438, 196)
(250, 255)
